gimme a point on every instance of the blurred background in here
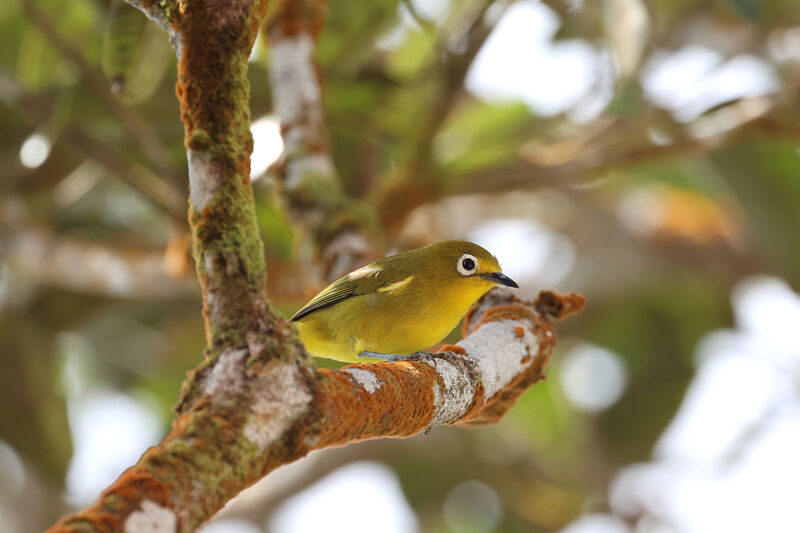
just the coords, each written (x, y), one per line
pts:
(644, 153)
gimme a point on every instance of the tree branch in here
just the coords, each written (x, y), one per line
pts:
(255, 414)
(40, 257)
(339, 225)
(213, 41)
(743, 119)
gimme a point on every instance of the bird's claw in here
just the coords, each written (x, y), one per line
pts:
(394, 357)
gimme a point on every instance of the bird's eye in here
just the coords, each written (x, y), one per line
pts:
(466, 264)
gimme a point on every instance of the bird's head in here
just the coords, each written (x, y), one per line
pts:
(463, 263)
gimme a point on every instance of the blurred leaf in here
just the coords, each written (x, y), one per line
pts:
(628, 101)
(749, 9)
(479, 135)
(7, 9)
(680, 173)
(351, 31)
(351, 96)
(40, 66)
(276, 230)
(37, 61)
(136, 53)
(412, 55)
(764, 178)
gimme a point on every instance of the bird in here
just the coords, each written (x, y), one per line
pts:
(399, 305)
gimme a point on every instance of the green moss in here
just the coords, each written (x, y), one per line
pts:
(198, 140)
(166, 9)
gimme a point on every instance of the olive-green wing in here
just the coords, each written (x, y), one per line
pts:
(365, 280)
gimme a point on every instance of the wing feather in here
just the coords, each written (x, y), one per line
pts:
(334, 294)
(365, 280)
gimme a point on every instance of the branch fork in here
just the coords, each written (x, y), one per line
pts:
(252, 413)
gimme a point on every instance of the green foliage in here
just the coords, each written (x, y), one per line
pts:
(414, 54)
(37, 62)
(351, 31)
(135, 54)
(480, 135)
(276, 230)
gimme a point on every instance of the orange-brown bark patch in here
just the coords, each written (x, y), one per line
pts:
(118, 502)
(455, 348)
(360, 414)
(506, 312)
(559, 305)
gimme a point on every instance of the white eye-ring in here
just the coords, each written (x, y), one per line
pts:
(467, 264)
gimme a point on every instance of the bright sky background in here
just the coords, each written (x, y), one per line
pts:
(520, 62)
(357, 498)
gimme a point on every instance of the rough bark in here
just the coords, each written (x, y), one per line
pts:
(254, 414)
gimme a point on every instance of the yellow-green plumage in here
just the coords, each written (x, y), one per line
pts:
(398, 305)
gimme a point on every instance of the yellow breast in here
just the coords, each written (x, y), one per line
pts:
(400, 318)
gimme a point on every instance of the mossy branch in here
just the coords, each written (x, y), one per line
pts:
(253, 413)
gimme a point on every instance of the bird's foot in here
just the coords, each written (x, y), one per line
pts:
(394, 357)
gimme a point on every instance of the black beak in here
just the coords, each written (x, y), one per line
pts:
(500, 278)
